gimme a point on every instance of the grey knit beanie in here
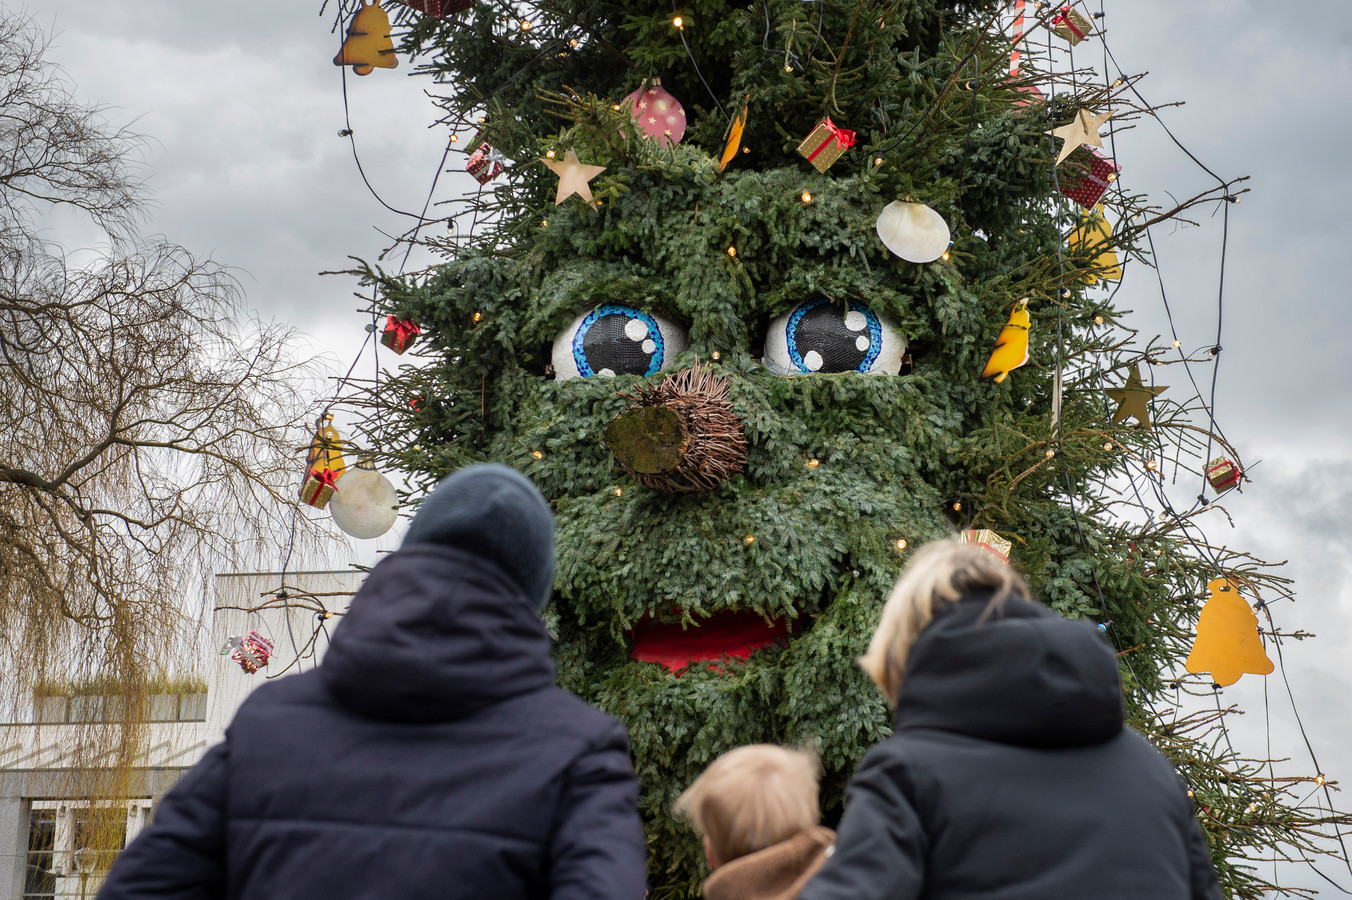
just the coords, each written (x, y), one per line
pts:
(497, 513)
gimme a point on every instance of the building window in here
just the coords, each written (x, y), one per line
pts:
(62, 710)
(71, 845)
(39, 879)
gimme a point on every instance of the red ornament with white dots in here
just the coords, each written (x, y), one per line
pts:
(659, 115)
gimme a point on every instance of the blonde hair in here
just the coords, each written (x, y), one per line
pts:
(751, 798)
(939, 574)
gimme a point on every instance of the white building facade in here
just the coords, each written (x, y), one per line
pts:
(47, 822)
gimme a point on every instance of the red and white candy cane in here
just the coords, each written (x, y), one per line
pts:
(1018, 36)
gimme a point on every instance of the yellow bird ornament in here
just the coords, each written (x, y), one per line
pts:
(1011, 347)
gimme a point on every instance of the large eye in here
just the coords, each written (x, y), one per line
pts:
(616, 340)
(820, 336)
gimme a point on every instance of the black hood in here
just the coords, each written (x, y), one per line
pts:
(1021, 675)
(434, 634)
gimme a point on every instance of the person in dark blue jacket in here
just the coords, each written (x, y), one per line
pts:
(1010, 775)
(429, 756)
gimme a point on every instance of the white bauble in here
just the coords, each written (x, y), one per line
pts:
(913, 231)
(365, 504)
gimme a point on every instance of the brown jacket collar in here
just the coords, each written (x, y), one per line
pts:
(778, 872)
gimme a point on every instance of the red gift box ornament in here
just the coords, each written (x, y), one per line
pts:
(485, 163)
(1086, 175)
(825, 144)
(1223, 474)
(251, 651)
(400, 334)
(319, 487)
(439, 8)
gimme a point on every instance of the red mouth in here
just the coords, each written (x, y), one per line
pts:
(727, 634)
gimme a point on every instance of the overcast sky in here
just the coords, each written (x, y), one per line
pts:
(244, 105)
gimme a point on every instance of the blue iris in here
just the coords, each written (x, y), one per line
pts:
(584, 366)
(875, 334)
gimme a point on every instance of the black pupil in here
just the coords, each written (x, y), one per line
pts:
(822, 329)
(607, 346)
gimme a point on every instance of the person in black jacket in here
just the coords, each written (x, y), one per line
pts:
(429, 756)
(1010, 775)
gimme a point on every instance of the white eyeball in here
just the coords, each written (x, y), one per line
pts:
(818, 335)
(616, 340)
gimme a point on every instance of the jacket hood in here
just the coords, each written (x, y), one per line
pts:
(1020, 675)
(434, 634)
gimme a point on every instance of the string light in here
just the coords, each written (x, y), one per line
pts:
(544, 223)
(877, 160)
(537, 454)
(957, 506)
(618, 492)
(732, 251)
(715, 356)
(1098, 320)
(1108, 446)
(678, 22)
(749, 539)
(807, 198)
(746, 149)
(455, 138)
(525, 25)
(901, 543)
(1150, 464)
(477, 317)
(813, 463)
(549, 154)
(1051, 452)
(1319, 780)
(1176, 345)
(945, 256)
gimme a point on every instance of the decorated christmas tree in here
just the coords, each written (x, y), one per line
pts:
(765, 296)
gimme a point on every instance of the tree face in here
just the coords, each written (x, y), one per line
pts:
(842, 461)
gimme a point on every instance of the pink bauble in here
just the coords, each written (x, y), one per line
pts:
(658, 114)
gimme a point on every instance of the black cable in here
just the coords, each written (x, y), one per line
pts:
(691, 56)
(1300, 725)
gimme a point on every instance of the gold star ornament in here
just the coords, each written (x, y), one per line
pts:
(1083, 130)
(1133, 398)
(573, 177)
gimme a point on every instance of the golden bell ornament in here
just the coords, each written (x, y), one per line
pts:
(1227, 643)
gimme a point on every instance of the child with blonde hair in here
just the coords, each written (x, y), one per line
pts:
(756, 809)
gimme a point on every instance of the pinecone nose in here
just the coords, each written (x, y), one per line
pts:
(680, 436)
